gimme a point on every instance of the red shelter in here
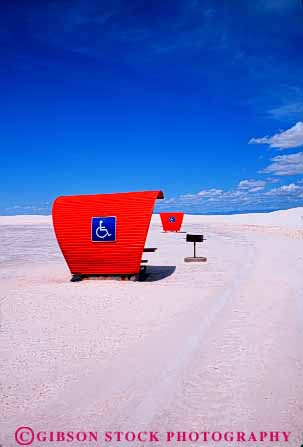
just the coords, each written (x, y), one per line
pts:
(104, 234)
(171, 221)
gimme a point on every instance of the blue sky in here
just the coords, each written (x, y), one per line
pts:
(202, 99)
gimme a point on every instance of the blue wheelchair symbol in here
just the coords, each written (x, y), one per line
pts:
(171, 219)
(104, 229)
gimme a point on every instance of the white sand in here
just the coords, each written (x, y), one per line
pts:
(205, 347)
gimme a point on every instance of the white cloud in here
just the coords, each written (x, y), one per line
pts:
(188, 196)
(292, 188)
(252, 185)
(210, 192)
(256, 189)
(273, 180)
(292, 110)
(171, 200)
(289, 188)
(289, 138)
(286, 165)
(239, 199)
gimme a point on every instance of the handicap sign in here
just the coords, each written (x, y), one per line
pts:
(104, 229)
(171, 219)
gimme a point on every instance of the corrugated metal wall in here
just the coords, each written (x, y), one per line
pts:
(171, 226)
(72, 217)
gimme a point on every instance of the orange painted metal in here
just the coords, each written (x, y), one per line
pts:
(171, 221)
(72, 219)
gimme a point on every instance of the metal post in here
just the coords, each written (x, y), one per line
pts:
(194, 249)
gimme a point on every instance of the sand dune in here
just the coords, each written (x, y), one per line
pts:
(25, 220)
(286, 218)
(212, 347)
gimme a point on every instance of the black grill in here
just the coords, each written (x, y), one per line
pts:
(194, 238)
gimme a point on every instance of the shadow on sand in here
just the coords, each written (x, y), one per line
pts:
(158, 272)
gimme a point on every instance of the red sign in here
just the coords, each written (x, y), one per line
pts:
(171, 221)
